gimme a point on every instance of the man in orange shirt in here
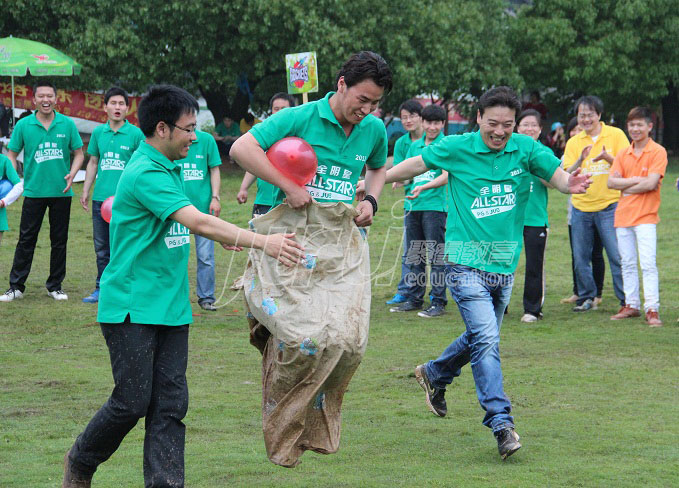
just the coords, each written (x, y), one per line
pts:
(637, 172)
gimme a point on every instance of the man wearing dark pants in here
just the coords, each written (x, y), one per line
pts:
(144, 308)
(47, 138)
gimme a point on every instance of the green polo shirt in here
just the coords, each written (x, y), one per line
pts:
(488, 196)
(7, 172)
(340, 158)
(47, 154)
(401, 148)
(203, 155)
(433, 199)
(114, 149)
(536, 209)
(224, 131)
(265, 193)
(147, 276)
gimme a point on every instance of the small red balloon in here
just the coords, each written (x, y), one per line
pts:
(295, 158)
(106, 208)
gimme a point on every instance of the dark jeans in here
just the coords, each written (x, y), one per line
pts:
(259, 209)
(425, 238)
(32, 213)
(100, 236)
(535, 241)
(149, 372)
(598, 263)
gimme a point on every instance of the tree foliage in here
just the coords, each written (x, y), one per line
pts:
(450, 48)
(620, 50)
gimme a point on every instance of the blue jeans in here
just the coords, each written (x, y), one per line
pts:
(205, 269)
(482, 299)
(402, 288)
(100, 236)
(583, 225)
(425, 238)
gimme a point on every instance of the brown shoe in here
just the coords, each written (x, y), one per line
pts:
(72, 478)
(652, 319)
(626, 312)
(570, 299)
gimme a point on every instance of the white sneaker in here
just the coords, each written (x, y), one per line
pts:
(58, 295)
(528, 318)
(10, 295)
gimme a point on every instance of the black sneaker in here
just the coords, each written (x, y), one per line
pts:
(507, 442)
(433, 311)
(435, 399)
(406, 307)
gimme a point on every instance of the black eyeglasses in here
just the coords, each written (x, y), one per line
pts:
(188, 130)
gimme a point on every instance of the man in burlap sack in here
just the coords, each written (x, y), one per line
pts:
(312, 326)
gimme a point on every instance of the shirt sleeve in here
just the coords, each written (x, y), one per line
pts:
(281, 124)
(571, 153)
(399, 150)
(542, 163)
(157, 191)
(93, 146)
(138, 138)
(659, 162)
(438, 155)
(16, 142)
(76, 141)
(10, 172)
(213, 158)
(617, 165)
(621, 142)
(378, 156)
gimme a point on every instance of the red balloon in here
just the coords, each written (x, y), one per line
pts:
(106, 208)
(295, 158)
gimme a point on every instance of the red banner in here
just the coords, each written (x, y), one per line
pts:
(85, 105)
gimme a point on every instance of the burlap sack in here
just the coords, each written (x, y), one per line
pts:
(311, 324)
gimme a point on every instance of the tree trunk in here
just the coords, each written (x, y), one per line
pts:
(217, 102)
(670, 112)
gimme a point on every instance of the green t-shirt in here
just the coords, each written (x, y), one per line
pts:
(536, 209)
(147, 276)
(433, 199)
(203, 154)
(224, 131)
(114, 150)
(265, 193)
(340, 158)
(7, 172)
(47, 154)
(488, 195)
(401, 148)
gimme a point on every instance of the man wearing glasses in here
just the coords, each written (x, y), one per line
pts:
(144, 309)
(594, 150)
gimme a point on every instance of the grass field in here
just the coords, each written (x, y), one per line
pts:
(595, 401)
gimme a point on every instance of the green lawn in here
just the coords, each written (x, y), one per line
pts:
(595, 401)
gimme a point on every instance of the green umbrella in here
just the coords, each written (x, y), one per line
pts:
(20, 56)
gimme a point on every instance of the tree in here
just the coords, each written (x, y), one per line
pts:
(620, 50)
(233, 52)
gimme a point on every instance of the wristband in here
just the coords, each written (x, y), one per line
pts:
(372, 201)
(217, 197)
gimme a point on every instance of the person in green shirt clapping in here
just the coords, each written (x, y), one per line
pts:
(144, 309)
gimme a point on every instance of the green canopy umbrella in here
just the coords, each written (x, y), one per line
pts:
(20, 56)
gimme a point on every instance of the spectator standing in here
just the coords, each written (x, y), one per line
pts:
(425, 223)
(637, 172)
(593, 150)
(111, 147)
(410, 113)
(202, 180)
(47, 138)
